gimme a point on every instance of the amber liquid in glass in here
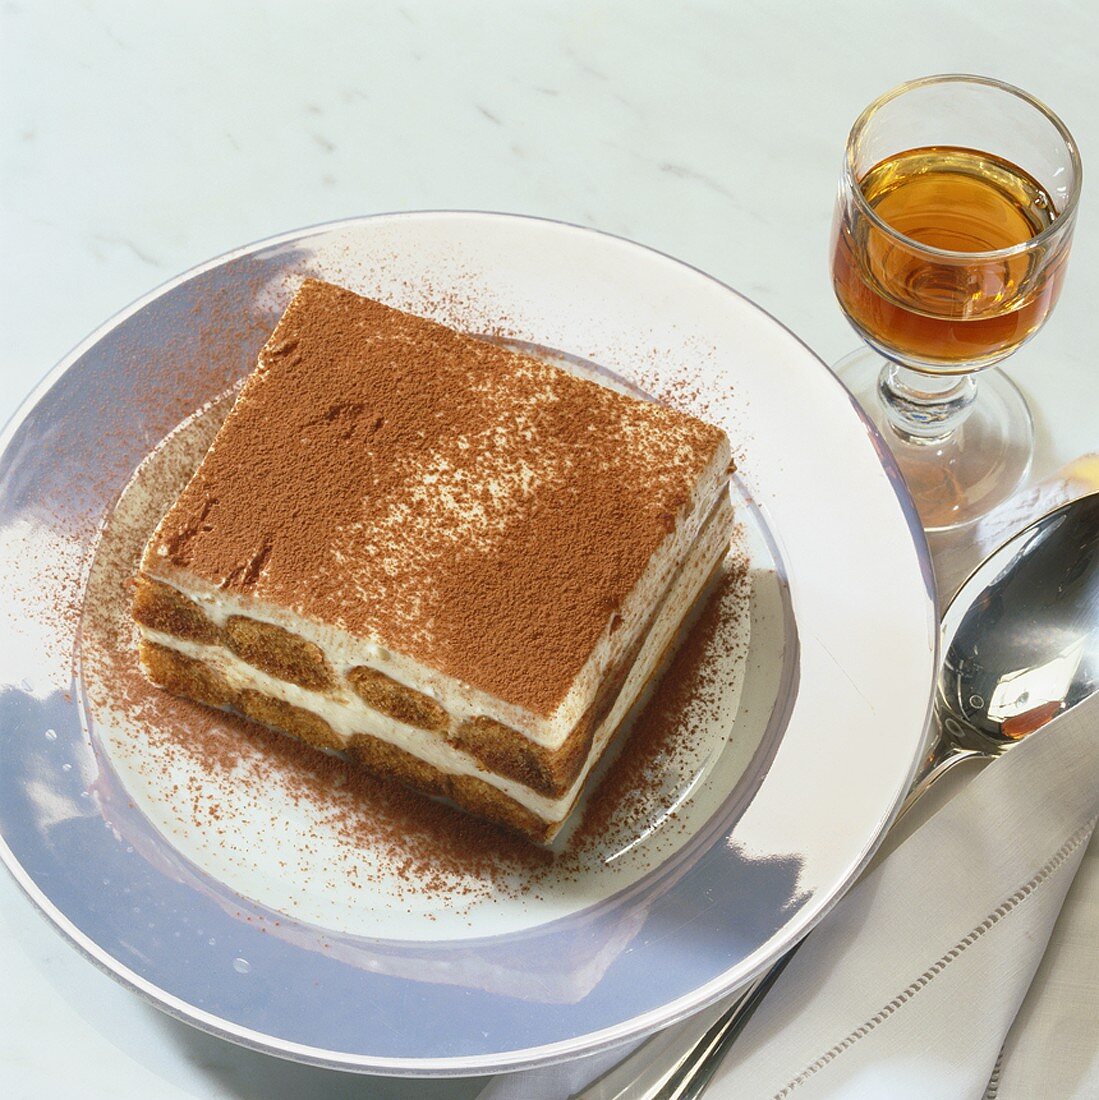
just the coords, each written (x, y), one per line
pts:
(946, 311)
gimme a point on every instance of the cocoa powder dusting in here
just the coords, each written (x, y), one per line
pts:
(434, 849)
(479, 510)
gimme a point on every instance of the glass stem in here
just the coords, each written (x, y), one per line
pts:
(925, 408)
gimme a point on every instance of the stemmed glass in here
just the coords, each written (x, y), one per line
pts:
(956, 207)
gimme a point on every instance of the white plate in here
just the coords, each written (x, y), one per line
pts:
(261, 922)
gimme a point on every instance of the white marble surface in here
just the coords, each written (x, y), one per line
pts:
(139, 139)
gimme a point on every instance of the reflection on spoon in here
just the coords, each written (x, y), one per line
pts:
(1020, 641)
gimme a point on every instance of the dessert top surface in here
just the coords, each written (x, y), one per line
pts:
(475, 509)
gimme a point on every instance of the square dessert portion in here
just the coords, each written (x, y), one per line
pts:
(458, 565)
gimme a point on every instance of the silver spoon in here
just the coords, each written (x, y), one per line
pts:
(1020, 644)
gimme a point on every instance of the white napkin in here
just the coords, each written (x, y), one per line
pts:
(912, 983)
(1053, 1046)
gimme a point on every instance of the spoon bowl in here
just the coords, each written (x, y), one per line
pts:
(1020, 640)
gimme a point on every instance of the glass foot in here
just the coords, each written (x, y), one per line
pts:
(954, 480)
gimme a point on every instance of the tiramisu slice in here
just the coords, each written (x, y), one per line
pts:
(457, 564)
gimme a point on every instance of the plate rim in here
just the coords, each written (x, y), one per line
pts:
(560, 1050)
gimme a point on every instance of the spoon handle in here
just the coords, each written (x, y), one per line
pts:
(939, 761)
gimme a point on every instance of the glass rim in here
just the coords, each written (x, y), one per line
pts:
(1059, 223)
